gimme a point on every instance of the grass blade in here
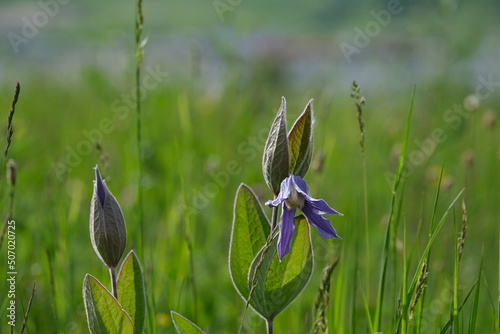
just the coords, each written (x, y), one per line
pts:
(385, 252)
(430, 242)
(475, 306)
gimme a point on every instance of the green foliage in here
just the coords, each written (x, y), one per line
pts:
(190, 126)
(249, 233)
(275, 163)
(274, 283)
(300, 142)
(131, 290)
(104, 313)
(183, 325)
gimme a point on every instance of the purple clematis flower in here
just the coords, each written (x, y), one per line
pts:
(294, 194)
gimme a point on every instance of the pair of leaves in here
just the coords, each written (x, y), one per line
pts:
(288, 154)
(259, 277)
(105, 314)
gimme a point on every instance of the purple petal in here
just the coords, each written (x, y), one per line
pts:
(287, 228)
(301, 186)
(325, 229)
(321, 207)
(101, 194)
(285, 189)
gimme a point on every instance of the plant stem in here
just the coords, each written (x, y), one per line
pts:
(367, 228)
(112, 273)
(456, 306)
(270, 326)
(404, 295)
(274, 221)
(139, 22)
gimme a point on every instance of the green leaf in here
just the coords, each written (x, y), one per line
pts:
(277, 283)
(300, 142)
(183, 325)
(275, 162)
(249, 234)
(131, 291)
(104, 314)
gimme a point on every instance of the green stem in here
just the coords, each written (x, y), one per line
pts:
(270, 326)
(112, 273)
(367, 235)
(138, 61)
(456, 310)
(274, 221)
(404, 295)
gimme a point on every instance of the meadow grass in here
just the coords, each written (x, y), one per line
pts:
(186, 249)
(391, 275)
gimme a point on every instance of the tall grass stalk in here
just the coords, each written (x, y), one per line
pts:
(448, 325)
(10, 129)
(385, 251)
(455, 322)
(24, 325)
(321, 305)
(359, 102)
(460, 243)
(139, 44)
(404, 296)
(11, 179)
(428, 257)
(472, 322)
(8, 142)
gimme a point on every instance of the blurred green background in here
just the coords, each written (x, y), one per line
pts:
(228, 65)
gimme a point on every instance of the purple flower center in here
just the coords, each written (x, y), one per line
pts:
(295, 200)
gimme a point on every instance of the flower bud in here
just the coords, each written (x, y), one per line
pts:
(107, 225)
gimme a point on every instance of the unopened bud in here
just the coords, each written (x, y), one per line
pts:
(107, 224)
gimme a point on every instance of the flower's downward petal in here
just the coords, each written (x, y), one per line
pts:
(321, 207)
(325, 229)
(101, 193)
(285, 189)
(287, 228)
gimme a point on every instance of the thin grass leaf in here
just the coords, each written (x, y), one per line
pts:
(431, 231)
(456, 265)
(385, 252)
(366, 305)
(24, 326)
(404, 301)
(449, 323)
(430, 243)
(475, 306)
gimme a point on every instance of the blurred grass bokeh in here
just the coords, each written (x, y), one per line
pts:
(204, 128)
